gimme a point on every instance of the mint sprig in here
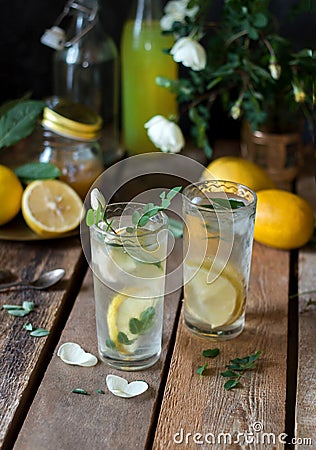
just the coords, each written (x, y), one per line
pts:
(97, 213)
(237, 369)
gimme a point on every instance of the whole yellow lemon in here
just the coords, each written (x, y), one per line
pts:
(11, 191)
(238, 170)
(283, 220)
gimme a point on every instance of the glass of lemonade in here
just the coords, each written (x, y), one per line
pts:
(219, 221)
(129, 267)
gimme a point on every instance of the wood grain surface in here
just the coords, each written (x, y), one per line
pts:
(59, 419)
(201, 405)
(306, 378)
(23, 357)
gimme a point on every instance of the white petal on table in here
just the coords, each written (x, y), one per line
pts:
(72, 353)
(122, 388)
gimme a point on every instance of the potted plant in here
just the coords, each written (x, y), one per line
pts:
(243, 63)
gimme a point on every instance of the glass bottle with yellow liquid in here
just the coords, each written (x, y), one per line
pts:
(144, 59)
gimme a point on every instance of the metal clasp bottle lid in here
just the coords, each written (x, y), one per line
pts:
(55, 36)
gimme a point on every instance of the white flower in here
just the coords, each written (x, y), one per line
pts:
(97, 199)
(275, 70)
(176, 11)
(122, 388)
(190, 53)
(71, 353)
(165, 134)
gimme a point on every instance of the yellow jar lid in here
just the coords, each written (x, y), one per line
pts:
(71, 119)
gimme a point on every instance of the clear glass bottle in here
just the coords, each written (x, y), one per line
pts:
(143, 60)
(68, 137)
(85, 70)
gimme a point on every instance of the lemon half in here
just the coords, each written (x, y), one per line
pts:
(51, 207)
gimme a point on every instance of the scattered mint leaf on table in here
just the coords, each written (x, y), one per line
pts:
(80, 391)
(19, 310)
(211, 353)
(39, 332)
(201, 369)
(237, 368)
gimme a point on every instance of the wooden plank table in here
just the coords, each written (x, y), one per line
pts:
(180, 409)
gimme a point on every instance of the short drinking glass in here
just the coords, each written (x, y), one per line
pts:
(219, 221)
(128, 265)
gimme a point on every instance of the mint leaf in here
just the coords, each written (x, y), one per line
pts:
(19, 121)
(110, 344)
(37, 171)
(39, 332)
(135, 326)
(211, 353)
(147, 318)
(28, 326)
(123, 339)
(80, 391)
(231, 384)
(201, 369)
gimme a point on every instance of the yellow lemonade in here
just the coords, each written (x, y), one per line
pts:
(143, 60)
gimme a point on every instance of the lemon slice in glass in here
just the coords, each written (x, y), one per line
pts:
(122, 309)
(51, 207)
(217, 303)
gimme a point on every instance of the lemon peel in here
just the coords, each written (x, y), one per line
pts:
(122, 388)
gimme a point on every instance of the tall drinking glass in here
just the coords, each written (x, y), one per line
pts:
(129, 266)
(219, 218)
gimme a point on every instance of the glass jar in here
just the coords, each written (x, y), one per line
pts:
(68, 137)
(86, 68)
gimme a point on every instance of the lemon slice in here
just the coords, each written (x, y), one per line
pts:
(51, 207)
(217, 303)
(123, 308)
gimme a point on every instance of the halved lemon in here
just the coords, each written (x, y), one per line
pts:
(218, 303)
(51, 207)
(122, 309)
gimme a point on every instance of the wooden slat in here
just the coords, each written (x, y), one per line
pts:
(24, 357)
(202, 405)
(306, 378)
(59, 419)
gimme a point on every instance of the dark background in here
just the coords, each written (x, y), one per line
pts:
(25, 63)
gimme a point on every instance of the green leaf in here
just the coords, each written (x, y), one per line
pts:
(260, 20)
(135, 217)
(110, 344)
(37, 171)
(229, 374)
(211, 353)
(90, 217)
(28, 306)
(11, 307)
(18, 312)
(80, 391)
(123, 339)
(176, 227)
(135, 326)
(220, 203)
(39, 332)
(99, 391)
(147, 318)
(201, 369)
(19, 121)
(231, 384)
(173, 192)
(28, 326)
